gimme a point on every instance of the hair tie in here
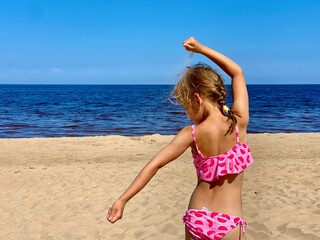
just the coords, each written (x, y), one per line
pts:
(226, 110)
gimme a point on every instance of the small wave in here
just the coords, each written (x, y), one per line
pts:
(70, 126)
(176, 113)
(41, 103)
(104, 116)
(135, 127)
(40, 113)
(19, 126)
(97, 131)
(9, 132)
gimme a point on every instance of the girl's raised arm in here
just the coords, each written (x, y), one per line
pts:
(240, 103)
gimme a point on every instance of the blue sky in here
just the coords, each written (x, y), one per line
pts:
(116, 42)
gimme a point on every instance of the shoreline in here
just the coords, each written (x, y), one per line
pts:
(146, 135)
(61, 188)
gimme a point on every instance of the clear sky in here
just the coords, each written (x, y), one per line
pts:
(122, 41)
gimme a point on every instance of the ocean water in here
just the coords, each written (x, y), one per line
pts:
(135, 110)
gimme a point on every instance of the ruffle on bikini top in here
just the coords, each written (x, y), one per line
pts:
(233, 161)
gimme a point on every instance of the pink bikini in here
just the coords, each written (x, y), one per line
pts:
(203, 224)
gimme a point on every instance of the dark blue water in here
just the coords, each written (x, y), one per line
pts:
(134, 110)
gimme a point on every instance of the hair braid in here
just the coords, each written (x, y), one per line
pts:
(203, 79)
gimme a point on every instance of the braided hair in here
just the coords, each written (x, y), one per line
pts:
(203, 79)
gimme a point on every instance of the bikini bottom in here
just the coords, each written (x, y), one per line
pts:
(205, 225)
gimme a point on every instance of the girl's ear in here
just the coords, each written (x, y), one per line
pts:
(198, 98)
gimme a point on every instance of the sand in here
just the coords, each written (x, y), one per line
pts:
(61, 188)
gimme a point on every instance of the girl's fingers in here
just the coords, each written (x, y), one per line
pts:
(115, 218)
(187, 45)
(111, 213)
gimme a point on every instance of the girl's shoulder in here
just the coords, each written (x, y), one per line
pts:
(186, 132)
(204, 130)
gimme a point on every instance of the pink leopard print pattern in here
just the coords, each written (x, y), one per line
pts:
(206, 225)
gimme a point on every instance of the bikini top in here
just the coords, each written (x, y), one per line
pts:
(233, 161)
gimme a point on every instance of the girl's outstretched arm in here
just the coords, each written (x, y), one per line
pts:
(174, 149)
(239, 89)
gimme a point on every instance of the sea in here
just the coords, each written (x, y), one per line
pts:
(29, 111)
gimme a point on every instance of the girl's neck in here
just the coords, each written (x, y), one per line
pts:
(212, 112)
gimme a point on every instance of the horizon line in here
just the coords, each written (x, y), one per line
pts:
(133, 84)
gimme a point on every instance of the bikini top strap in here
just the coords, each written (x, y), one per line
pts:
(193, 134)
(194, 139)
(237, 134)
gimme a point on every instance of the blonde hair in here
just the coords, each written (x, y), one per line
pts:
(203, 79)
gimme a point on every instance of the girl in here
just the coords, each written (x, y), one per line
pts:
(218, 145)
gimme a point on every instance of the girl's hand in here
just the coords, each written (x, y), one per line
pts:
(191, 44)
(116, 211)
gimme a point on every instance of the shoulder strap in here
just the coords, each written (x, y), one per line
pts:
(237, 134)
(194, 139)
(193, 134)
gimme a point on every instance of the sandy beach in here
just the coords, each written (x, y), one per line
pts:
(61, 188)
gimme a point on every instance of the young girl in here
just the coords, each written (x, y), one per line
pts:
(218, 145)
